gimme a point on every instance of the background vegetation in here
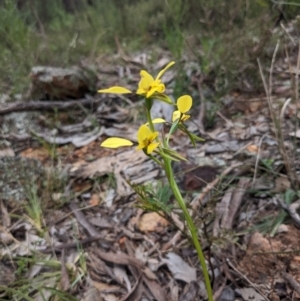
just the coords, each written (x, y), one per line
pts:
(225, 37)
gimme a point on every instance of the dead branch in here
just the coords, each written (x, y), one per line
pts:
(22, 106)
(201, 114)
(210, 186)
(71, 245)
(83, 220)
(292, 281)
(291, 209)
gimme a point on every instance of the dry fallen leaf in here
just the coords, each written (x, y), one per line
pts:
(5, 236)
(252, 148)
(155, 288)
(94, 200)
(179, 268)
(255, 105)
(7, 152)
(295, 134)
(282, 183)
(152, 222)
(40, 153)
(122, 276)
(105, 287)
(249, 293)
(125, 165)
(92, 294)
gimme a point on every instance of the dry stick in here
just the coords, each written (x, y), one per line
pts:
(292, 175)
(38, 20)
(65, 279)
(202, 108)
(281, 117)
(218, 292)
(295, 85)
(222, 210)
(287, 33)
(235, 202)
(292, 281)
(287, 102)
(291, 209)
(45, 105)
(297, 99)
(197, 200)
(82, 220)
(247, 279)
(172, 241)
(72, 245)
(257, 159)
(278, 131)
(297, 82)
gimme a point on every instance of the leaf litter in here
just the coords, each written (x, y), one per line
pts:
(97, 245)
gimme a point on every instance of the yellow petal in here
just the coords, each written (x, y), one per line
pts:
(115, 142)
(185, 117)
(153, 136)
(143, 133)
(164, 70)
(146, 76)
(184, 103)
(145, 82)
(150, 92)
(176, 115)
(151, 147)
(140, 91)
(156, 120)
(155, 86)
(115, 90)
(140, 146)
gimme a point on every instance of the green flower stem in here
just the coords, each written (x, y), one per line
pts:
(187, 216)
(148, 114)
(191, 227)
(156, 160)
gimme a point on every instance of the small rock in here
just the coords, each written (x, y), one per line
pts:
(16, 175)
(282, 228)
(61, 83)
(227, 295)
(7, 275)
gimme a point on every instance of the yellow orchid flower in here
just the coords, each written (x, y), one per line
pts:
(146, 139)
(115, 142)
(115, 90)
(184, 104)
(148, 85)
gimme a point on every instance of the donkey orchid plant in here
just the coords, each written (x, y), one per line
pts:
(156, 146)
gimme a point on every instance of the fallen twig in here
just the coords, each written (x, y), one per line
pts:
(82, 220)
(201, 114)
(22, 106)
(70, 245)
(291, 209)
(292, 281)
(277, 121)
(247, 279)
(210, 186)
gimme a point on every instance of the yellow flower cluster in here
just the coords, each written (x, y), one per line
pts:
(147, 85)
(149, 88)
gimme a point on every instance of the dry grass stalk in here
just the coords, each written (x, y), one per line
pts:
(287, 160)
